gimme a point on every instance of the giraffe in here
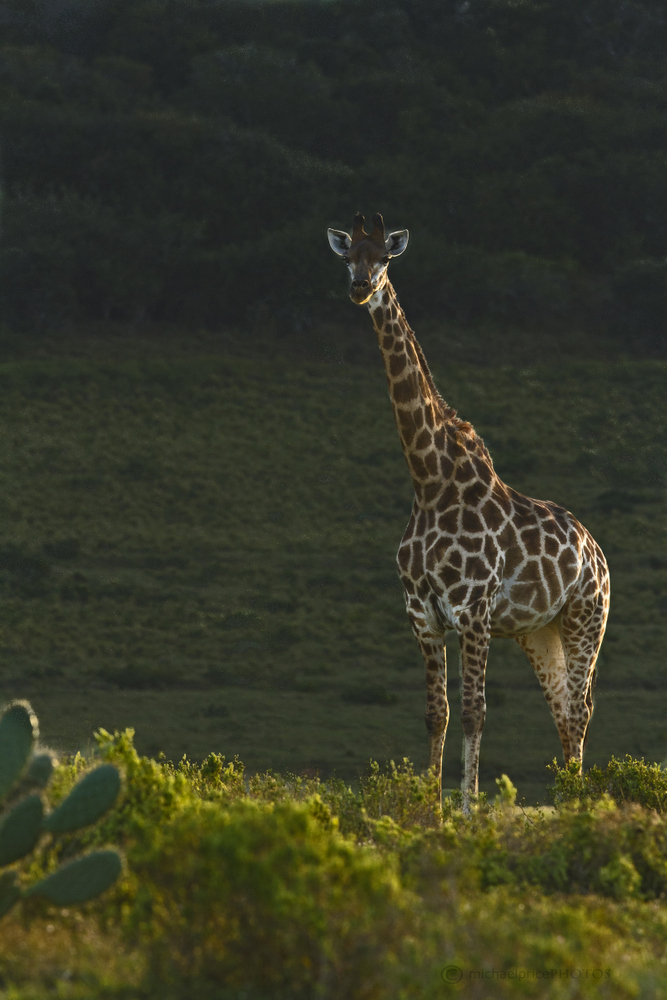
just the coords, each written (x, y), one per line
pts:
(477, 556)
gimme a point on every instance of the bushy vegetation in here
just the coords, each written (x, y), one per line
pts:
(285, 886)
(625, 780)
(159, 155)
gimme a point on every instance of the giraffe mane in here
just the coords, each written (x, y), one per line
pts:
(447, 412)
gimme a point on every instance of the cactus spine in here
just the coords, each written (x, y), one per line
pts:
(22, 825)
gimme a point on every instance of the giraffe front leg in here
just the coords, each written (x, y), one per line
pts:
(474, 650)
(437, 706)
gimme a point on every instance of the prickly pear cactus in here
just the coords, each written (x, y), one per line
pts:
(24, 821)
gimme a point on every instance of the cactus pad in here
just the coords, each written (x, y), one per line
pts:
(80, 880)
(22, 824)
(40, 770)
(18, 731)
(20, 829)
(9, 892)
(87, 801)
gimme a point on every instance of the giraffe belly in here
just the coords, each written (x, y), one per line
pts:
(507, 620)
(506, 627)
(510, 620)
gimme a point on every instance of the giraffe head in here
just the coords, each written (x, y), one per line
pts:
(367, 255)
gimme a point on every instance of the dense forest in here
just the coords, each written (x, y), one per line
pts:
(179, 160)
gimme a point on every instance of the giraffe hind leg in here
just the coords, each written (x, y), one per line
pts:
(544, 649)
(581, 644)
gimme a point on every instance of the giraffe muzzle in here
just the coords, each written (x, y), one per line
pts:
(360, 290)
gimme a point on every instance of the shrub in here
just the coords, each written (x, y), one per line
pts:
(626, 780)
(618, 852)
(268, 896)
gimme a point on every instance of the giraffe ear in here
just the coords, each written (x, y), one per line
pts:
(397, 242)
(339, 242)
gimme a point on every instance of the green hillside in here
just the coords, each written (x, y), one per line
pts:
(198, 540)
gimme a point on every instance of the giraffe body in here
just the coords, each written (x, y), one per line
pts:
(477, 556)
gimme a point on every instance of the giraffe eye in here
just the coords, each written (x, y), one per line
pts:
(346, 259)
(385, 260)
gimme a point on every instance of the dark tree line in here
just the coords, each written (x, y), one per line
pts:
(180, 159)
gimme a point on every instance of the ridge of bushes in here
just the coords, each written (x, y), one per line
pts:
(269, 885)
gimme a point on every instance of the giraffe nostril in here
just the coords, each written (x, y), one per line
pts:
(360, 283)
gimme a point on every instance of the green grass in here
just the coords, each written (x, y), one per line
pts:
(199, 540)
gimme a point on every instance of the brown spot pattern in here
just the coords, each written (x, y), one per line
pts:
(481, 558)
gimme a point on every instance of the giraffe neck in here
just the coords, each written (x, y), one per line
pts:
(440, 449)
